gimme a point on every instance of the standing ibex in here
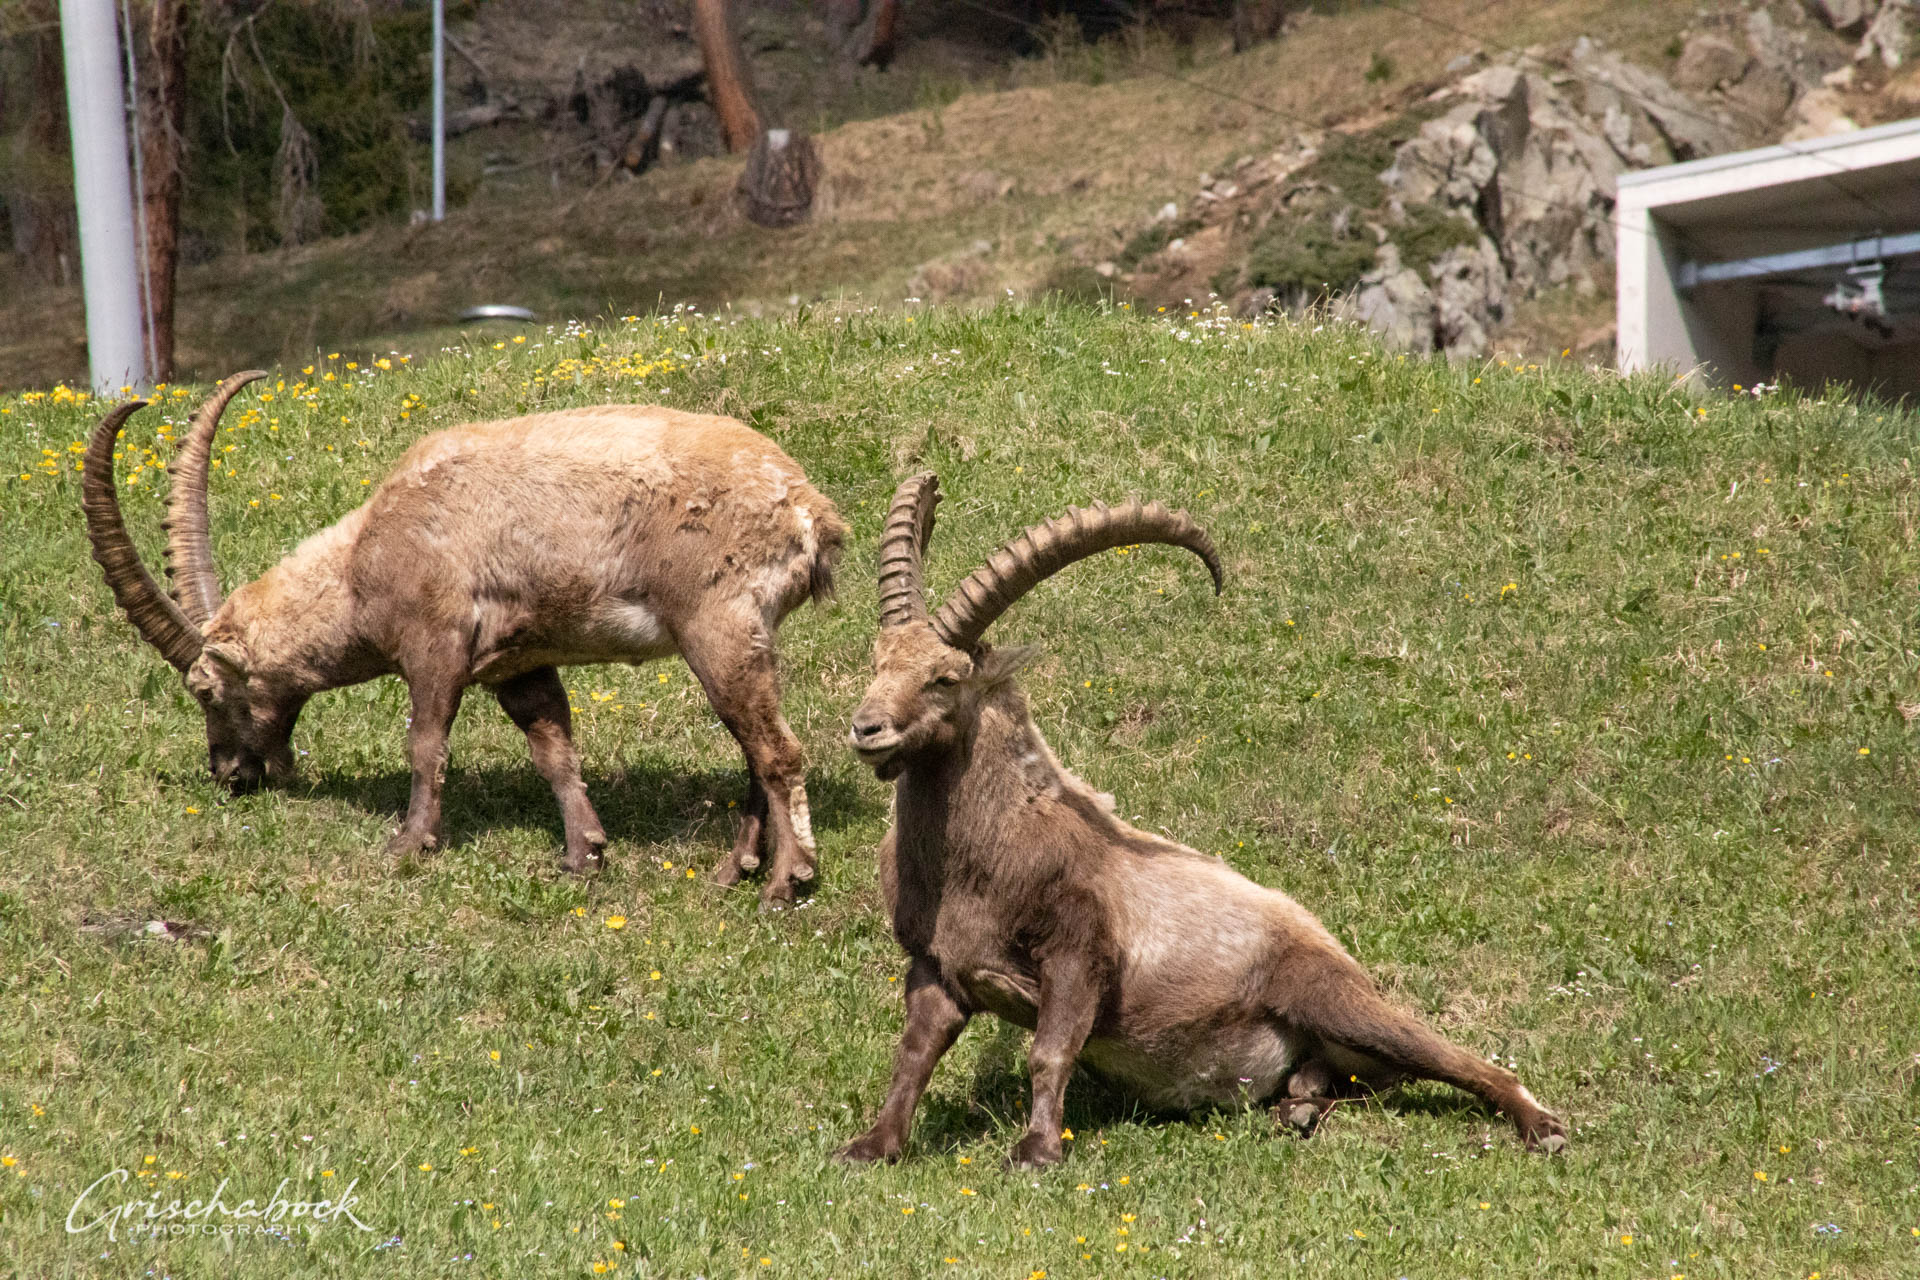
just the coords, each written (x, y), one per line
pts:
(493, 554)
(1015, 890)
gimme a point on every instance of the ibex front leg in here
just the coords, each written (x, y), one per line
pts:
(1069, 1002)
(934, 1021)
(435, 703)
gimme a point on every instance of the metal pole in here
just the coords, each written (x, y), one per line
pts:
(103, 194)
(439, 110)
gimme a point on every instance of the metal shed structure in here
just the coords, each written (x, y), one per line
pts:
(1800, 260)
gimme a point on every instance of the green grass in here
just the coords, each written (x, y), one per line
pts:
(1576, 707)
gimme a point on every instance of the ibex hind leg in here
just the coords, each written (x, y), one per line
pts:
(537, 702)
(1320, 1083)
(1378, 1043)
(1310, 1095)
(745, 857)
(735, 665)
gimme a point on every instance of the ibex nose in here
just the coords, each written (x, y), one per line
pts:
(867, 726)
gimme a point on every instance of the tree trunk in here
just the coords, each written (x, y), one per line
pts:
(728, 82)
(40, 187)
(864, 31)
(1256, 21)
(886, 34)
(160, 61)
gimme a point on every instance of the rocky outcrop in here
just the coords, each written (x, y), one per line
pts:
(1535, 173)
(1886, 27)
(1848, 16)
(1469, 298)
(1394, 302)
(1611, 84)
(1818, 114)
(1890, 35)
(1501, 184)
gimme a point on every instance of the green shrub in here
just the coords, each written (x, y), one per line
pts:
(1428, 232)
(1077, 282)
(1352, 162)
(1305, 254)
(1154, 237)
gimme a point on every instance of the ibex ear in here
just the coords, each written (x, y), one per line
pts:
(231, 658)
(997, 666)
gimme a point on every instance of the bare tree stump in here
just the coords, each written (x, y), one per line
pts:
(782, 175)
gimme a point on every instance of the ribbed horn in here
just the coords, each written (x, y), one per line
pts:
(903, 549)
(158, 620)
(1045, 549)
(196, 582)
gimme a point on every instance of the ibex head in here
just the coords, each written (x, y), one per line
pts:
(931, 674)
(247, 733)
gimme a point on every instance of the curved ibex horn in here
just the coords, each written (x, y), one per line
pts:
(903, 549)
(157, 618)
(196, 582)
(1045, 549)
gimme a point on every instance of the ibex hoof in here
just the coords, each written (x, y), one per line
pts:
(406, 843)
(866, 1149)
(582, 864)
(1303, 1116)
(1553, 1144)
(747, 862)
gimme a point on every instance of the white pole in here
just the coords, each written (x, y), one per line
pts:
(103, 194)
(439, 110)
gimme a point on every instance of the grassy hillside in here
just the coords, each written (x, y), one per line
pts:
(1578, 709)
(1052, 165)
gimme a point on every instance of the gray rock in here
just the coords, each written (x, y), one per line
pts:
(1800, 51)
(1447, 162)
(1470, 296)
(1709, 62)
(1686, 126)
(1889, 36)
(1846, 16)
(1762, 96)
(1616, 123)
(1394, 302)
(1818, 114)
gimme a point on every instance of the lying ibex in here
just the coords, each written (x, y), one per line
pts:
(493, 554)
(1015, 890)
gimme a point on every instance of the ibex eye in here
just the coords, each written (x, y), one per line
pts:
(946, 682)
